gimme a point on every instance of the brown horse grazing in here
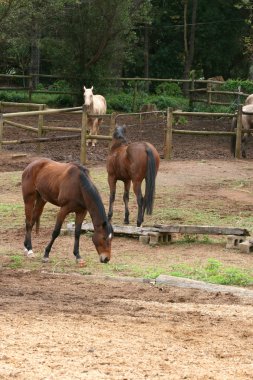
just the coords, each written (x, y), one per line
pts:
(132, 162)
(68, 186)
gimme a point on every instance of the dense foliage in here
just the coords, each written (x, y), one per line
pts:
(88, 40)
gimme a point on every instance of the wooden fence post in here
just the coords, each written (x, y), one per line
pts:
(209, 94)
(168, 135)
(191, 94)
(40, 129)
(1, 130)
(238, 144)
(30, 88)
(83, 136)
(112, 125)
(134, 96)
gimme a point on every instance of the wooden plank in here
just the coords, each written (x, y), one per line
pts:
(22, 126)
(206, 230)
(162, 228)
(45, 112)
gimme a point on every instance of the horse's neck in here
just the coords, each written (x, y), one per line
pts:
(94, 204)
(117, 144)
(90, 107)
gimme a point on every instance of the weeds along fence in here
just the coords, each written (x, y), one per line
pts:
(200, 90)
(27, 84)
(81, 132)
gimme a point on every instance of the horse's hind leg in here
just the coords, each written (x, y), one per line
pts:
(33, 211)
(57, 229)
(78, 227)
(112, 186)
(126, 200)
(139, 198)
(29, 202)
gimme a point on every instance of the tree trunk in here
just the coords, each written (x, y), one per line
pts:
(189, 46)
(146, 54)
(35, 55)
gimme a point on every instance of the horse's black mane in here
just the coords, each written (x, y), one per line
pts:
(93, 191)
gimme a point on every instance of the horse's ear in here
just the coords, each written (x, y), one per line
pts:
(84, 88)
(91, 88)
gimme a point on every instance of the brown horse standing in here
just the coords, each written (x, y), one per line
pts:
(132, 162)
(68, 186)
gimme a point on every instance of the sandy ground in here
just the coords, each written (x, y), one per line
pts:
(70, 327)
(81, 327)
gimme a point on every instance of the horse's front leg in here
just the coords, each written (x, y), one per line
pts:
(78, 227)
(112, 185)
(56, 232)
(139, 198)
(245, 140)
(94, 130)
(89, 127)
(126, 200)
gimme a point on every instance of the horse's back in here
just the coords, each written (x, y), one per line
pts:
(247, 119)
(138, 151)
(99, 105)
(249, 99)
(54, 181)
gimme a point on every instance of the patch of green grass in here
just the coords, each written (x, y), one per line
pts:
(16, 262)
(214, 272)
(133, 270)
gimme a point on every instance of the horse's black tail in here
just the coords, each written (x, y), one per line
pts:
(150, 182)
(233, 138)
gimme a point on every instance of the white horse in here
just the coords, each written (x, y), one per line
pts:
(96, 104)
(249, 100)
(247, 123)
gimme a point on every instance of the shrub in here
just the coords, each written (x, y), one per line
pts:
(169, 89)
(233, 84)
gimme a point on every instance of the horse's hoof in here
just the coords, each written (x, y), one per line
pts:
(80, 262)
(45, 259)
(28, 253)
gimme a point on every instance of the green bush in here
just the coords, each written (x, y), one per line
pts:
(60, 85)
(233, 84)
(13, 96)
(169, 89)
(163, 102)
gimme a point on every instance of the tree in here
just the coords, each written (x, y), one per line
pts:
(247, 39)
(189, 41)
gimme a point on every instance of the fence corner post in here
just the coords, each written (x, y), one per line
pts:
(238, 144)
(168, 135)
(1, 131)
(83, 136)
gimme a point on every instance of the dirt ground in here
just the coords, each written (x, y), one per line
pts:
(84, 327)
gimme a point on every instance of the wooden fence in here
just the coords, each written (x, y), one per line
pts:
(207, 93)
(41, 129)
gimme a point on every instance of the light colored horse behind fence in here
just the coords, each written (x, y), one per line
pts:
(247, 123)
(96, 104)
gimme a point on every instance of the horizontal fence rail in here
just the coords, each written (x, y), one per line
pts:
(82, 132)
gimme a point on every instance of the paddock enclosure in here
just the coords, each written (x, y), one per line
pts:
(149, 126)
(61, 321)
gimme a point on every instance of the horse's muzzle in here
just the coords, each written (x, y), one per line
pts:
(104, 259)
